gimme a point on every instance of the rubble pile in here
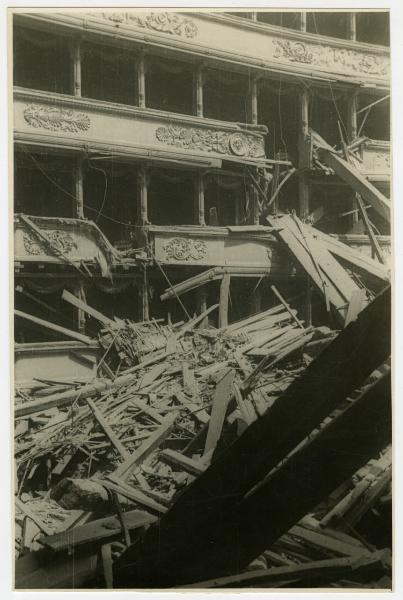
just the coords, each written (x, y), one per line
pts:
(98, 462)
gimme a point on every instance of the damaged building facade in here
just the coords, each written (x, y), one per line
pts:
(173, 165)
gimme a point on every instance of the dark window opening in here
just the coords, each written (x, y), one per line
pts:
(42, 61)
(171, 197)
(327, 108)
(282, 19)
(43, 185)
(109, 74)
(47, 306)
(332, 206)
(169, 86)
(373, 28)
(241, 302)
(278, 110)
(333, 24)
(225, 202)
(375, 124)
(159, 309)
(225, 96)
(110, 197)
(123, 304)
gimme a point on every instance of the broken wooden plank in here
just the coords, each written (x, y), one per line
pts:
(26, 510)
(129, 466)
(113, 438)
(327, 570)
(53, 327)
(120, 487)
(353, 256)
(331, 279)
(222, 396)
(176, 459)
(355, 306)
(197, 411)
(286, 306)
(357, 181)
(97, 531)
(80, 304)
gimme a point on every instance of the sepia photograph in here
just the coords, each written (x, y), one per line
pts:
(201, 269)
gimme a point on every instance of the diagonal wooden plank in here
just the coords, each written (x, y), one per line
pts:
(222, 395)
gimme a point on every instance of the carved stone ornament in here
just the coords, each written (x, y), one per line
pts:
(209, 140)
(56, 119)
(331, 58)
(62, 240)
(166, 22)
(185, 249)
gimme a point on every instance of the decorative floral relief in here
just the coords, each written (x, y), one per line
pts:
(63, 241)
(56, 119)
(167, 22)
(326, 56)
(185, 249)
(208, 140)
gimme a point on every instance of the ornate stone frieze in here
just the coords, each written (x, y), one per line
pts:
(63, 241)
(185, 249)
(166, 22)
(56, 119)
(333, 58)
(208, 140)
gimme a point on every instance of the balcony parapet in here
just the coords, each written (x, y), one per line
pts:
(375, 160)
(78, 123)
(226, 39)
(250, 247)
(72, 240)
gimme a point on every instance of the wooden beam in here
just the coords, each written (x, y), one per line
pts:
(53, 327)
(81, 305)
(184, 463)
(355, 306)
(327, 571)
(224, 301)
(353, 256)
(129, 466)
(357, 181)
(113, 438)
(222, 395)
(287, 307)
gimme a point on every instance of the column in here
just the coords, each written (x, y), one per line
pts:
(351, 26)
(142, 211)
(201, 294)
(199, 199)
(303, 184)
(79, 188)
(144, 307)
(77, 67)
(198, 91)
(224, 300)
(79, 292)
(302, 21)
(352, 134)
(253, 100)
(141, 80)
